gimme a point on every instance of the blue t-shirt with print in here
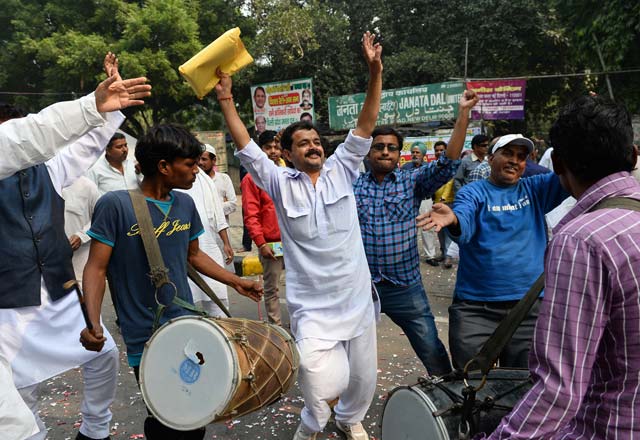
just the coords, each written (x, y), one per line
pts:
(176, 223)
(504, 236)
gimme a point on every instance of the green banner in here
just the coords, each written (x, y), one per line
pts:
(408, 105)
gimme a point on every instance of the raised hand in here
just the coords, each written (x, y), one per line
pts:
(469, 99)
(116, 94)
(110, 65)
(439, 217)
(223, 88)
(372, 51)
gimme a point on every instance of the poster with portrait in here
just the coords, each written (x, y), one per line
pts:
(278, 104)
(429, 141)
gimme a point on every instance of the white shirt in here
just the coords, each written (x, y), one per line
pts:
(205, 196)
(107, 178)
(329, 290)
(226, 192)
(545, 160)
(35, 138)
(80, 198)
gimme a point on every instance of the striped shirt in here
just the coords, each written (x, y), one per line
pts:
(387, 212)
(585, 359)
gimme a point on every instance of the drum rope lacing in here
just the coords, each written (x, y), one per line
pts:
(240, 336)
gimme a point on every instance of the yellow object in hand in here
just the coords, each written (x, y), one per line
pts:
(226, 52)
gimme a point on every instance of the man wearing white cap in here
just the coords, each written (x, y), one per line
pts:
(500, 228)
(222, 181)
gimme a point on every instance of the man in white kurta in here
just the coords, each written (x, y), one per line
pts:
(79, 200)
(204, 194)
(39, 341)
(120, 174)
(329, 292)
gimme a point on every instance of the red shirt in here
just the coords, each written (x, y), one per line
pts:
(259, 213)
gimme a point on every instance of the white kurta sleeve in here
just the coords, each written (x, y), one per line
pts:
(37, 137)
(74, 160)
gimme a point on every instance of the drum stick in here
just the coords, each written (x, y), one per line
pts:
(73, 284)
(259, 309)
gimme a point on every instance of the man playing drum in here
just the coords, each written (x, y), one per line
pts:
(328, 281)
(168, 156)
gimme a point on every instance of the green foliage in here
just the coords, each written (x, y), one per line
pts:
(57, 47)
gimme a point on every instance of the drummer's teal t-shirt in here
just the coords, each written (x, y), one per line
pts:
(176, 223)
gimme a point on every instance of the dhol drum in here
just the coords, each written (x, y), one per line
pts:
(196, 370)
(430, 410)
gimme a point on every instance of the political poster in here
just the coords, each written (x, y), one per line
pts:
(408, 105)
(499, 99)
(278, 104)
(429, 141)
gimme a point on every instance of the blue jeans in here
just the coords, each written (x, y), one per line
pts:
(408, 307)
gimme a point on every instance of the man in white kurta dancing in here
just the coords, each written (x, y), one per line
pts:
(328, 281)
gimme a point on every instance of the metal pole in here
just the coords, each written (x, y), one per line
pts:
(466, 56)
(606, 77)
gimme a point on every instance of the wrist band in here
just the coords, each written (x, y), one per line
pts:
(262, 245)
(225, 98)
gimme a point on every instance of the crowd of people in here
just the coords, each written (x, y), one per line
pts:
(346, 241)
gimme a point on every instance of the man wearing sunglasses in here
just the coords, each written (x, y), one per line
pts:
(388, 200)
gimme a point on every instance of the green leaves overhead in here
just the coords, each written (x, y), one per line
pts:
(57, 46)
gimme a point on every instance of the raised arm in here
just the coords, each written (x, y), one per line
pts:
(37, 137)
(236, 127)
(467, 101)
(369, 113)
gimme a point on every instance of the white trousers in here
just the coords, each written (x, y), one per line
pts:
(430, 243)
(344, 369)
(16, 421)
(100, 376)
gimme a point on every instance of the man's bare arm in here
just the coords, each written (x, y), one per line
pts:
(369, 113)
(467, 101)
(93, 283)
(236, 127)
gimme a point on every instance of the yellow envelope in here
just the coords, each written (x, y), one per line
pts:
(226, 52)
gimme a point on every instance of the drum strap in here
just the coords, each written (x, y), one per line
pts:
(158, 272)
(490, 351)
(196, 278)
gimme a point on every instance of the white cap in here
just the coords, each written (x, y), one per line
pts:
(209, 148)
(512, 139)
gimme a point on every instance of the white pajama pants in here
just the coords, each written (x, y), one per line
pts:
(100, 376)
(344, 369)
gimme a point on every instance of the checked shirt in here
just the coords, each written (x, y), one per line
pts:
(387, 212)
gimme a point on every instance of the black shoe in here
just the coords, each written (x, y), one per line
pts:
(448, 264)
(432, 262)
(81, 436)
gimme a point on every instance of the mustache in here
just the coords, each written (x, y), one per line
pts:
(310, 152)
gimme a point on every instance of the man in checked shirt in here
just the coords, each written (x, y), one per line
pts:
(585, 356)
(388, 199)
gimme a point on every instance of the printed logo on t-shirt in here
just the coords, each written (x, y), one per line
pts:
(521, 203)
(167, 227)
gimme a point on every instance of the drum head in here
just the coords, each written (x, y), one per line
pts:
(188, 372)
(407, 415)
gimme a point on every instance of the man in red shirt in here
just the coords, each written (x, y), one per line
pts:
(261, 222)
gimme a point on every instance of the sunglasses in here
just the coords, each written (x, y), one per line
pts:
(380, 147)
